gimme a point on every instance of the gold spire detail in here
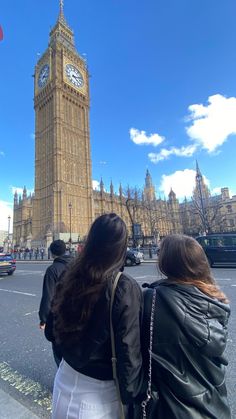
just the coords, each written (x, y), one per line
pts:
(61, 9)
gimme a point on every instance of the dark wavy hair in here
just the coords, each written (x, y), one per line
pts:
(82, 285)
(182, 259)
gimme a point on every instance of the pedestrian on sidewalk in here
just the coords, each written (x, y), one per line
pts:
(190, 315)
(80, 325)
(52, 276)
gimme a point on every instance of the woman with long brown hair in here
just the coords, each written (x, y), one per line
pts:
(79, 326)
(190, 315)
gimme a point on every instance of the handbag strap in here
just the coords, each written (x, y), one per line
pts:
(149, 385)
(113, 349)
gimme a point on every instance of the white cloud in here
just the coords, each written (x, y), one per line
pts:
(164, 154)
(5, 211)
(96, 185)
(141, 138)
(182, 182)
(20, 190)
(216, 191)
(16, 189)
(211, 125)
(32, 136)
(2, 153)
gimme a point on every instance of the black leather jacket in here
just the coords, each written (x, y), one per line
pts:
(188, 365)
(51, 278)
(92, 355)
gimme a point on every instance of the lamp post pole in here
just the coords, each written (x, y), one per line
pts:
(8, 234)
(70, 208)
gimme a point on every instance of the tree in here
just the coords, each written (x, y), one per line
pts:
(133, 205)
(208, 214)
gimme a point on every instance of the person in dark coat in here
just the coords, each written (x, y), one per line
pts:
(52, 275)
(79, 324)
(189, 335)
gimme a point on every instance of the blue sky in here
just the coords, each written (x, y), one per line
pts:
(163, 90)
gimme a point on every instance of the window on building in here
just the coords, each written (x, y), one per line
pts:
(229, 208)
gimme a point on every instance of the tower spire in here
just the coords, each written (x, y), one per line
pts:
(198, 172)
(61, 12)
(61, 32)
(61, 8)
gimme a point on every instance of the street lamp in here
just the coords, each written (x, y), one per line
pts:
(70, 208)
(8, 234)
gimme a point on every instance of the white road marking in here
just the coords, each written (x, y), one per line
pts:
(233, 285)
(145, 276)
(18, 292)
(223, 279)
(19, 271)
(32, 312)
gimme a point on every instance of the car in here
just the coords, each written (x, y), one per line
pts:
(7, 263)
(220, 248)
(133, 257)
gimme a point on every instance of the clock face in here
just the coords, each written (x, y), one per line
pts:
(43, 76)
(74, 75)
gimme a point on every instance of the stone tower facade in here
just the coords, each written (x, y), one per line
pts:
(149, 190)
(63, 198)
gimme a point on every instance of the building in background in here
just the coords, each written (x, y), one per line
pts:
(64, 203)
(206, 213)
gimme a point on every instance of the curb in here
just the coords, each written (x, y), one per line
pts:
(11, 409)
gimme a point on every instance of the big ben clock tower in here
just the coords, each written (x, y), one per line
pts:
(63, 200)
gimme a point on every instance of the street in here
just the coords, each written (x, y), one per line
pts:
(27, 367)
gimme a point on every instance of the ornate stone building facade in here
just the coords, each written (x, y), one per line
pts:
(205, 213)
(64, 203)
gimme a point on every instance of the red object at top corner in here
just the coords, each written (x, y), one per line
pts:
(1, 33)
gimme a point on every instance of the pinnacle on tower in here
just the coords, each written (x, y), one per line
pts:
(15, 197)
(120, 190)
(61, 8)
(111, 188)
(24, 193)
(172, 194)
(101, 185)
(198, 172)
(61, 17)
(148, 179)
(61, 32)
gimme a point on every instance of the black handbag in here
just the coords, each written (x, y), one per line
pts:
(123, 413)
(148, 407)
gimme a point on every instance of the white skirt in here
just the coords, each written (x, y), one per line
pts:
(77, 396)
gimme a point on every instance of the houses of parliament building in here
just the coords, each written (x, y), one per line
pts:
(64, 203)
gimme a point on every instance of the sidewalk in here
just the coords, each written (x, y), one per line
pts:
(11, 409)
(145, 260)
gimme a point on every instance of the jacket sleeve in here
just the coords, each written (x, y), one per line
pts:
(49, 328)
(49, 286)
(127, 317)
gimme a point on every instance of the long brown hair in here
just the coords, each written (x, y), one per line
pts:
(182, 259)
(82, 285)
